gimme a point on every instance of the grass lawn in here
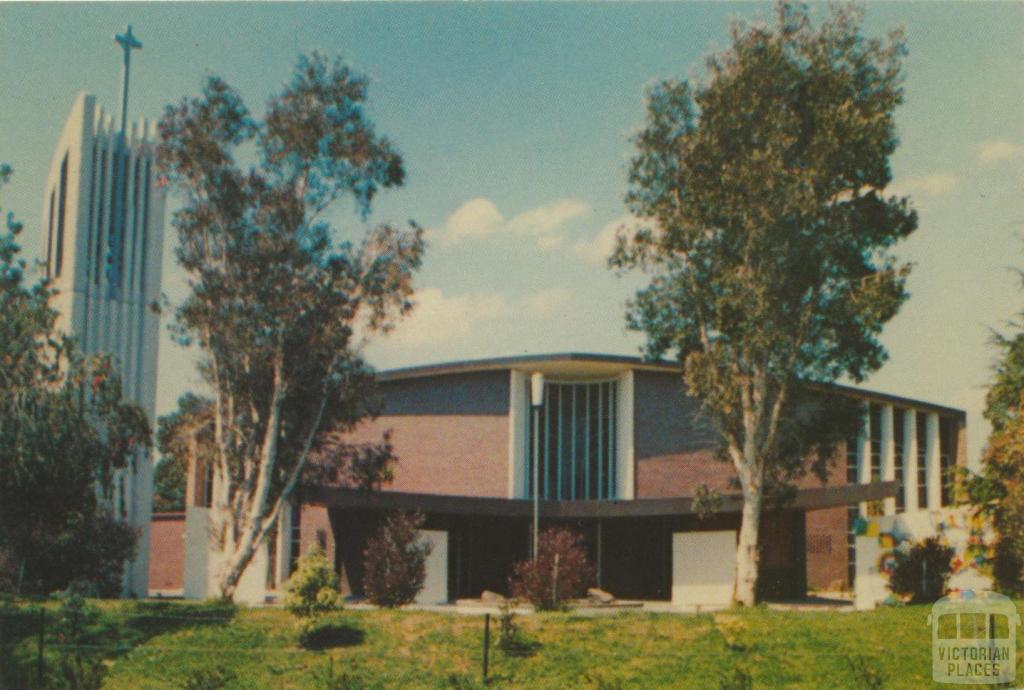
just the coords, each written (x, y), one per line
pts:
(164, 645)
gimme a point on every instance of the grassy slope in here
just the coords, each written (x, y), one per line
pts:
(398, 649)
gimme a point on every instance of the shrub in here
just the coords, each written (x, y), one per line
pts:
(511, 639)
(923, 571)
(1008, 569)
(313, 587)
(560, 572)
(209, 679)
(396, 561)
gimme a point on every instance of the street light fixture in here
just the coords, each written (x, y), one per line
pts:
(536, 401)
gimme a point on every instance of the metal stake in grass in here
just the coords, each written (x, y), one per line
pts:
(487, 642)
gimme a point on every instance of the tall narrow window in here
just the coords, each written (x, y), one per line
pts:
(876, 443)
(97, 266)
(295, 546)
(132, 270)
(922, 461)
(49, 237)
(852, 513)
(947, 459)
(61, 204)
(144, 236)
(90, 219)
(897, 438)
(576, 440)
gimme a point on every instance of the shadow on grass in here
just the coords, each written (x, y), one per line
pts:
(331, 635)
(99, 631)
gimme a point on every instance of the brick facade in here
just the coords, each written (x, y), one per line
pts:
(167, 552)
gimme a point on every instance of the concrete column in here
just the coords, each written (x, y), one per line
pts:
(910, 460)
(624, 415)
(933, 471)
(517, 431)
(888, 455)
(864, 455)
(284, 544)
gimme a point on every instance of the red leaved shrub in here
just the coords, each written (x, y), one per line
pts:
(561, 571)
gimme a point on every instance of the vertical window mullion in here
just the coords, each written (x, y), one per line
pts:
(546, 478)
(586, 467)
(559, 460)
(600, 441)
(573, 443)
(613, 440)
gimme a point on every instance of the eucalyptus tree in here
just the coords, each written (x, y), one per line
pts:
(766, 230)
(281, 300)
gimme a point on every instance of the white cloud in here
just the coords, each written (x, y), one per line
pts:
(545, 303)
(999, 150)
(479, 218)
(598, 248)
(437, 319)
(476, 218)
(936, 185)
(543, 220)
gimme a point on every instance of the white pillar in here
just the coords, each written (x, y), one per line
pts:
(910, 460)
(887, 457)
(517, 431)
(283, 556)
(624, 415)
(864, 455)
(933, 472)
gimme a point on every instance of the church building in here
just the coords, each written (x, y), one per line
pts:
(103, 238)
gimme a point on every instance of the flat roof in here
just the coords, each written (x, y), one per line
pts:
(804, 499)
(610, 362)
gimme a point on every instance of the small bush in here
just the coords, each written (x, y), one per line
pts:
(396, 561)
(560, 573)
(511, 639)
(868, 674)
(1008, 569)
(313, 587)
(922, 572)
(208, 679)
(736, 679)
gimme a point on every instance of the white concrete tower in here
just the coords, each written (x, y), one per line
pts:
(103, 238)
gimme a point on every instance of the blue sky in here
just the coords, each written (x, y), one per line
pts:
(514, 120)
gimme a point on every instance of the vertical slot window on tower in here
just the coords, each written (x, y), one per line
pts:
(61, 210)
(947, 459)
(897, 438)
(97, 266)
(876, 442)
(922, 461)
(576, 443)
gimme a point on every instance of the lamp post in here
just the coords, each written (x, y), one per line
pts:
(536, 401)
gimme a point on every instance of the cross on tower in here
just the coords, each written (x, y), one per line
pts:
(128, 43)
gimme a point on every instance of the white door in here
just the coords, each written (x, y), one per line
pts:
(703, 568)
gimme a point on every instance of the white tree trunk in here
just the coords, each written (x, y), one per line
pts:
(747, 554)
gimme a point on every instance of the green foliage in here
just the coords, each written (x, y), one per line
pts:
(64, 429)
(923, 571)
(183, 437)
(396, 561)
(998, 491)
(560, 572)
(209, 679)
(511, 638)
(736, 678)
(313, 587)
(280, 305)
(869, 675)
(765, 230)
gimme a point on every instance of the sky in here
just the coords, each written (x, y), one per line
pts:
(514, 121)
